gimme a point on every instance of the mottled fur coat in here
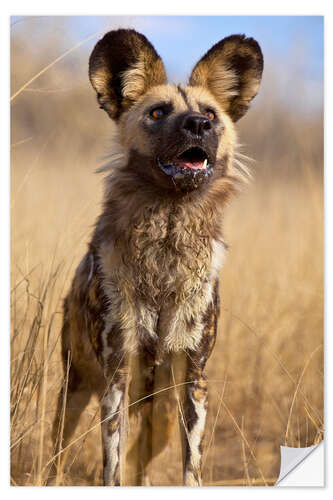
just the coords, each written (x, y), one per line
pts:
(141, 315)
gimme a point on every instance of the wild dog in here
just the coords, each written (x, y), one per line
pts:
(144, 302)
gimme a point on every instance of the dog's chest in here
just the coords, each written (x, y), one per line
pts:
(163, 284)
(170, 256)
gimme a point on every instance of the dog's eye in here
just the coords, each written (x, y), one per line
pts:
(210, 114)
(157, 113)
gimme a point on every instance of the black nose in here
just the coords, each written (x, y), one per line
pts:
(196, 124)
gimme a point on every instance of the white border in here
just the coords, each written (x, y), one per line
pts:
(172, 7)
(186, 7)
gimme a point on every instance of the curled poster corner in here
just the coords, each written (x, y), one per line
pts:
(301, 472)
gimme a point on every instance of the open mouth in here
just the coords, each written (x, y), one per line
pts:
(193, 158)
(190, 162)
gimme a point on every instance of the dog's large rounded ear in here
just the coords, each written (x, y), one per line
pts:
(232, 71)
(122, 67)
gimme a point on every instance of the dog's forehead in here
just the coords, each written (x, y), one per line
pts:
(199, 95)
(182, 97)
(164, 93)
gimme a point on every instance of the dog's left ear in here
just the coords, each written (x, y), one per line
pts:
(122, 67)
(231, 70)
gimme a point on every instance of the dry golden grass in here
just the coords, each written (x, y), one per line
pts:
(266, 372)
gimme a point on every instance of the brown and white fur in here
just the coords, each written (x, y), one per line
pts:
(141, 315)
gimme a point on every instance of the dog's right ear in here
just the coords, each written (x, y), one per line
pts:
(122, 67)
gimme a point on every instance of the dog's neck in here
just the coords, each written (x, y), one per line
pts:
(130, 204)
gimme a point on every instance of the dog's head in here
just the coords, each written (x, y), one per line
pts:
(177, 137)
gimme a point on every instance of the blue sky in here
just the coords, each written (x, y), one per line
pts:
(292, 45)
(181, 40)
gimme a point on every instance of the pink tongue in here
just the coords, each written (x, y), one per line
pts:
(198, 164)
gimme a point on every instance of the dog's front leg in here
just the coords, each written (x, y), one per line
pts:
(114, 421)
(112, 433)
(114, 429)
(193, 424)
(196, 396)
